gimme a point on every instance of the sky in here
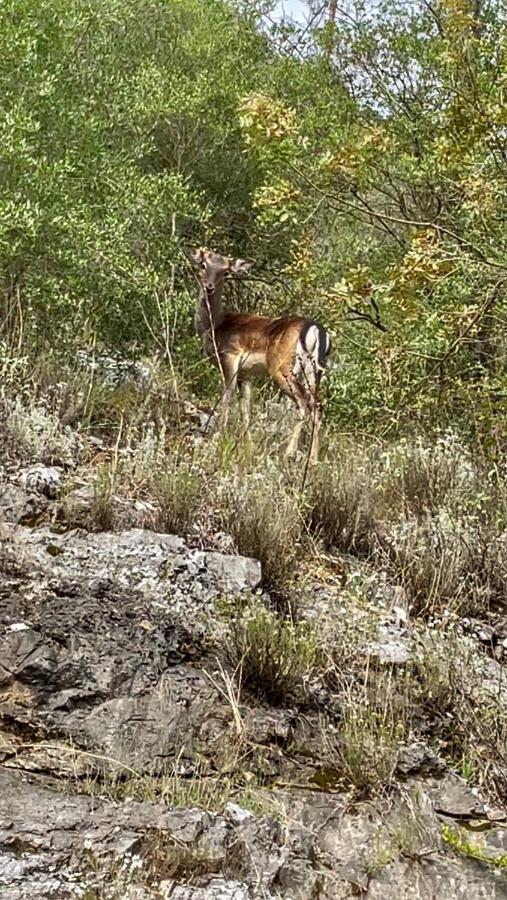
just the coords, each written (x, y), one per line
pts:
(292, 8)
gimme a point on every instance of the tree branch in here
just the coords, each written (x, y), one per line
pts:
(385, 217)
(359, 314)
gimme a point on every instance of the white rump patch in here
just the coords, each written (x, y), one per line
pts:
(306, 364)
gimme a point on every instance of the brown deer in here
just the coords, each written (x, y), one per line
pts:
(291, 350)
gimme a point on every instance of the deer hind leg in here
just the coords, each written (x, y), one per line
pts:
(310, 409)
(308, 375)
(294, 439)
(245, 393)
(292, 389)
(316, 420)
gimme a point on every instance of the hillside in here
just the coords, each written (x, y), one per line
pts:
(224, 673)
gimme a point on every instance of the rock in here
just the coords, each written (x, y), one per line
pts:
(97, 674)
(494, 637)
(109, 677)
(115, 371)
(199, 420)
(451, 796)
(94, 646)
(237, 814)
(391, 646)
(45, 480)
(77, 510)
(215, 889)
(48, 757)
(184, 581)
(16, 506)
(234, 573)
(90, 838)
(486, 634)
(435, 877)
(94, 845)
(269, 725)
(418, 757)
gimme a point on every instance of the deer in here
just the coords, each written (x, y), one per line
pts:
(292, 350)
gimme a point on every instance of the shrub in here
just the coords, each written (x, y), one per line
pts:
(340, 503)
(368, 747)
(264, 520)
(273, 656)
(180, 492)
(102, 509)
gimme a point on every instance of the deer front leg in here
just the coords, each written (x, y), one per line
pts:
(229, 367)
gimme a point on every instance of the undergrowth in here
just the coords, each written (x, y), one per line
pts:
(430, 514)
(272, 656)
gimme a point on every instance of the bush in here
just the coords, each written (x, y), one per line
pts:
(180, 491)
(368, 747)
(273, 656)
(340, 507)
(264, 519)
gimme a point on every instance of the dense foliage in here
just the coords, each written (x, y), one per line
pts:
(361, 159)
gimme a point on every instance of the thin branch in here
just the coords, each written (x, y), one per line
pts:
(375, 320)
(460, 339)
(440, 229)
(372, 212)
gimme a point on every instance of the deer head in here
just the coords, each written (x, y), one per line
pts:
(213, 268)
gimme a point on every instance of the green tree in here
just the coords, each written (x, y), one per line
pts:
(119, 144)
(396, 174)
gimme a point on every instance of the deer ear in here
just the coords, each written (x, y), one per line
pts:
(197, 256)
(241, 266)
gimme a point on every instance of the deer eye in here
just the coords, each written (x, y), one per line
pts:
(203, 265)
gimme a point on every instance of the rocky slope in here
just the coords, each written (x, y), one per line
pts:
(127, 760)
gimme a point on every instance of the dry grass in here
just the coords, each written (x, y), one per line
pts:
(181, 492)
(340, 503)
(263, 517)
(272, 657)
(368, 748)
(170, 787)
(464, 710)
(439, 696)
(165, 858)
(431, 514)
(376, 720)
(102, 515)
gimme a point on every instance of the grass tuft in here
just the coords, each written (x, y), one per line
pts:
(264, 520)
(273, 656)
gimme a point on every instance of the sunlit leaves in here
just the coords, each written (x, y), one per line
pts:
(277, 203)
(425, 262)
(265, 118)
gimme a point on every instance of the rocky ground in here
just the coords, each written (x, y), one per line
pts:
(130, 767)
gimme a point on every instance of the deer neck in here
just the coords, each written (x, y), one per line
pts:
(209, 313)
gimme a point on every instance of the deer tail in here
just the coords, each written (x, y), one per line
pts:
(315, 343)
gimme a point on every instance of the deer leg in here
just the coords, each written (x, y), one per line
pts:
(229, 366)
(316, 419)
(307, 404)
(309, 381)
(245, 393)
(293, 390)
